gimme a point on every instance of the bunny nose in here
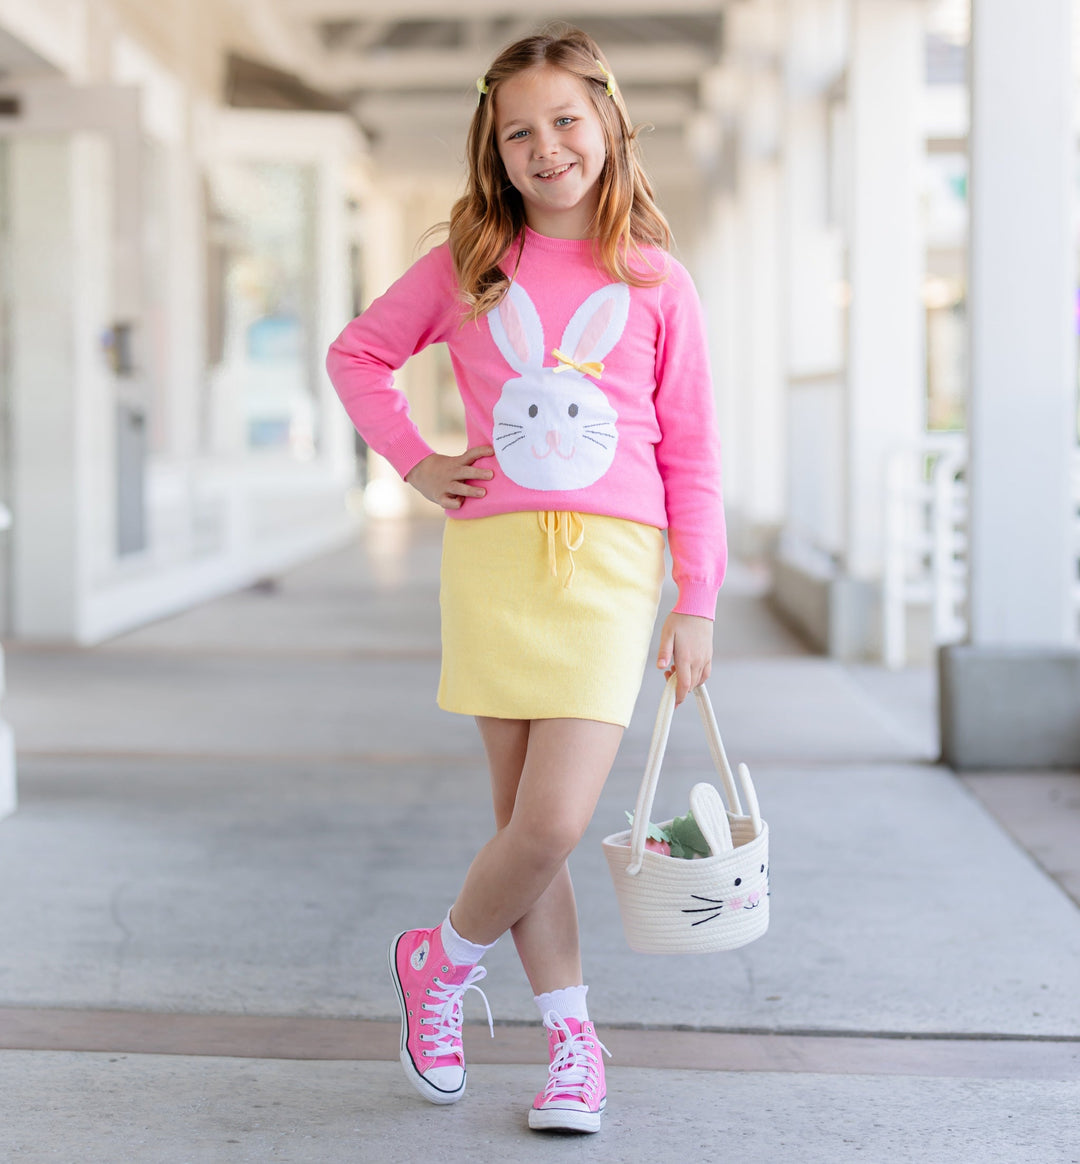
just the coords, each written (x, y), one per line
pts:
(553, 438)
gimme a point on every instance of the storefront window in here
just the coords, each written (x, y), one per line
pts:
(261, 331)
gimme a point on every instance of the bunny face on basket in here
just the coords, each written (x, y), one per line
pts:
(554, 429)
(747, 892)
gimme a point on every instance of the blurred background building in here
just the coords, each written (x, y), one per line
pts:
(876, 198)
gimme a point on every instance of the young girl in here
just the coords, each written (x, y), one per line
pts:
(579, 350)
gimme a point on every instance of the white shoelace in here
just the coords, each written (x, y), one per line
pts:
(574, 1064)
(446, 1012)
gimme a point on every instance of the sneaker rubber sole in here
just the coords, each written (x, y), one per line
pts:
(556, 1119)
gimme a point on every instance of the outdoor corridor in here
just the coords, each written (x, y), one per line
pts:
(225, 816)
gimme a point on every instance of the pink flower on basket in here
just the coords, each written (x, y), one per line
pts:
(661, 847)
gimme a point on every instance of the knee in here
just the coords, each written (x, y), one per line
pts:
(547, 843)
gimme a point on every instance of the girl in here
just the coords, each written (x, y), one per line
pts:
(578, 347)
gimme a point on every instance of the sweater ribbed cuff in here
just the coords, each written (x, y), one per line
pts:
(697, 598)
(407, 451)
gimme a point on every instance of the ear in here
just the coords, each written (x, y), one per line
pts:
(598, 323)
(517, 330)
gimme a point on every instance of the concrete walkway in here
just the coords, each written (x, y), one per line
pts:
(225, 816)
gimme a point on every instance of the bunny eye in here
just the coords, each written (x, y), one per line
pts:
(533, 410)
(738, 881)
(573, 410)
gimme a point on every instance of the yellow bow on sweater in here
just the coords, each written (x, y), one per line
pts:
(590, 368)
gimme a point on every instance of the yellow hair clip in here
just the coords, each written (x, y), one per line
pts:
(610, 80)
(481, 85)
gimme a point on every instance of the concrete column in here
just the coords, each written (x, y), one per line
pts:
(764, 432)
(62, 444)
(853, 146)
(758, 338)
(812, 275)
(8, 794)
(718, 287)
(714, 139)
(1011, 695)
(385, 257)
(886, 351)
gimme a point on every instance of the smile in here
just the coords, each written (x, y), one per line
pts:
(555, 173)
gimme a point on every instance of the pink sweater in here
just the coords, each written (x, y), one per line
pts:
(637, 439)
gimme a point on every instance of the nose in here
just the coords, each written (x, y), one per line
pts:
(543, 146)
(553, 438)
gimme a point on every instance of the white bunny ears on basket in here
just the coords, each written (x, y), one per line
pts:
(671, 905)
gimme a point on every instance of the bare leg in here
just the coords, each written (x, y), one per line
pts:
(546, 778)
(546, 936)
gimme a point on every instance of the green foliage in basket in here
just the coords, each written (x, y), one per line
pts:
(682, 835)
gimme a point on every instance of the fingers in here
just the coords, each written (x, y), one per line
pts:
(684, 678)
(466, 472)
(690, 673)
(667, 647)
(685, 652)
(674, 659)
(460, 472)
(475, 454)
(447, 480)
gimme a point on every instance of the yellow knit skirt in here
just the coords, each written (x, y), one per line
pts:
(547, 615)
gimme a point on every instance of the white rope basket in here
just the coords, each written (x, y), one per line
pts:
(671, 905)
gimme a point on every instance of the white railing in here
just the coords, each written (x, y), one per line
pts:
(926, 543)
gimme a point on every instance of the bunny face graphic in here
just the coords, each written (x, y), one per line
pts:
(554, 429)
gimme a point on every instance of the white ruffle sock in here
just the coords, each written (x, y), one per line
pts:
(460, 950)
(569, 1002)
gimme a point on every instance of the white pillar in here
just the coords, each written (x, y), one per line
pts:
(8, 793)
(853, 148)
(758, 340)
(1021, 312)
(812, 274)
(764, 432)
(886, 362)
(62, 443)
(1009, 696)
(718, 286)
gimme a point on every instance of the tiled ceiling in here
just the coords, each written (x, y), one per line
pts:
(411, 64)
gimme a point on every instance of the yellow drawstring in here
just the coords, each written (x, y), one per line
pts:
(553, 521)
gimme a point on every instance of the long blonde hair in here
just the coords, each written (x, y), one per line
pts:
(490, 216)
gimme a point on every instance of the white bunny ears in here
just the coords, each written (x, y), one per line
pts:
(594, 329)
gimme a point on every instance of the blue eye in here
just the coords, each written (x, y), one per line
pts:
(520, 133)
(564, 121)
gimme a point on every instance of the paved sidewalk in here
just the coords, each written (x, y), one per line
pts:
(226, 815)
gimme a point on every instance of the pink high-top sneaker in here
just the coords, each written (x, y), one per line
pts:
(430, 989)
(575, 1095)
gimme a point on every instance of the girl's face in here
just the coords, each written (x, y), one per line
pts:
(552, 144)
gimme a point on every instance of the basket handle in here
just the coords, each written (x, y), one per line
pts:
(651, 778)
